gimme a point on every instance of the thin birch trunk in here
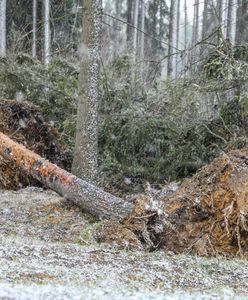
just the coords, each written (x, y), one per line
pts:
(129, 21)
(34, 41)
(135, 32)
(2, 28)
(186, 57)
(116, 28)
(172, 60)
(195, 35)
(47, 32)
(224, 18)
(185, 23)
(178, 33)
(233, 7)
(142, 40)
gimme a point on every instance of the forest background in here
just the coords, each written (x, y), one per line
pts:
(173, 83)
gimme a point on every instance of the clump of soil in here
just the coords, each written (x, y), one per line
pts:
(24, 123)
(207, 215)
(209, 212)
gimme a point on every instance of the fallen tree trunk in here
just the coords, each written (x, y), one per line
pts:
(89, 197)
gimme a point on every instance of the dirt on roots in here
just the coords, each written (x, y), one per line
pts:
(207, 215)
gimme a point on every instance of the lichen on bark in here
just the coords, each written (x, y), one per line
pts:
(85, 154)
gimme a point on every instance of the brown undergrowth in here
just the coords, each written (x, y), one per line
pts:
(24, 124)
(207, 215)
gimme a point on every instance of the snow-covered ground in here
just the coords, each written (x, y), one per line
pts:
(47, 252)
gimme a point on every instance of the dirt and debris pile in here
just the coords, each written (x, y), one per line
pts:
(209, 212)
(207, 215)
(24, 123)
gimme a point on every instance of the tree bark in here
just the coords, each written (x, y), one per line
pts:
(172, 60)
(85, 154)
(178, 36)
(233, 8)
(34, 41)
(89, 197)
(2, 28)
(142, 41)
(205, 20)
(223, 18)
(195, 36)
(129, 21)
(116, 28)
(135, 31)
(47, 32)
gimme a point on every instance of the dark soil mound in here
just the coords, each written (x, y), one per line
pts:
(24, 123)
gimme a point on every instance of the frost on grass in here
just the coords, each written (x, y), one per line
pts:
(40, 260)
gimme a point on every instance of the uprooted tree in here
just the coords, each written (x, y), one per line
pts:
(207, 215)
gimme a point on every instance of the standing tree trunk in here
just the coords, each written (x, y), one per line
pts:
(135, 31)
(47, 32)
(233, 8)
(161, 25)
(205, 20)
(242, 34)
(129, 22)
(172, 59)
(85, 154)
(185, 24)
(116, 28)
(223, 18)
(186, 56)
(142, 40)
(195, 35)
(178, 33)
(34, 40)
(2, 28)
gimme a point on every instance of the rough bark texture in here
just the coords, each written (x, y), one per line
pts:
(85, 154)
(89, 197)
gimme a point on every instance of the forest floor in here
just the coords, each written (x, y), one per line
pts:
(48, 251)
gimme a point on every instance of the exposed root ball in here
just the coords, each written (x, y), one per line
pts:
(210, 211)
(207, 215)
(24, 123)
(141, 230)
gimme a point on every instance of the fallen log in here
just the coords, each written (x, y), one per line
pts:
(88, 196)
